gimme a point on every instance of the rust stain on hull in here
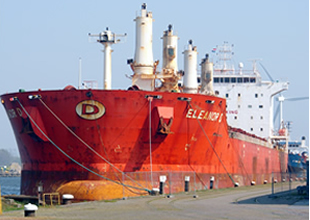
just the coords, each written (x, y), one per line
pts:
(115, 137)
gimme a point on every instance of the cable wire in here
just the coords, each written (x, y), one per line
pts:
(64, 153)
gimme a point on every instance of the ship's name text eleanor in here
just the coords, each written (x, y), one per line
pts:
(204, 115)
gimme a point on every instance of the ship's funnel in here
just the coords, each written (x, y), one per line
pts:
(143, 64)
(170, 50)
(190, 84)
(207, 76)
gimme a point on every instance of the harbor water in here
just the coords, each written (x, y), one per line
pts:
(10, 185)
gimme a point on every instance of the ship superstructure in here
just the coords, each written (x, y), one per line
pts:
(250, 100)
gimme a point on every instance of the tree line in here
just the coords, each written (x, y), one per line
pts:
(7, 159)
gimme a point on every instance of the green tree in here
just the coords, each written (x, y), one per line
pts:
(7, 159)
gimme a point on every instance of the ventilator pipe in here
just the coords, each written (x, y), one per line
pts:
(190, 84)
(207, 76)
(143, 60)
(170, 50)
(143, 64)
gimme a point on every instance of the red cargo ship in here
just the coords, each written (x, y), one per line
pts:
(103, 144)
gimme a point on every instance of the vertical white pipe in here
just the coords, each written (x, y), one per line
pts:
(190, 84)
(170, 50)
(107, 66)
(281, 115)
(143, 64)
(272, 126)
(143, 61)
(206, 76)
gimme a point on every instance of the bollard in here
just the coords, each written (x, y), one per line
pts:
(67, 199)
(161, 188)
(162, 180)
(272, 184)
(169, 177)
(211, 182)
(186, 188)
(40, 193)
(154, 192)
(30, 209)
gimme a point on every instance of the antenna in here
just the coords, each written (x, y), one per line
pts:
(80, 73)
(107, 38)
(225, 54)
(255, 66)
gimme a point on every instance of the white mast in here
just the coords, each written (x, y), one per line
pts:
(107, 38)
(190, 84)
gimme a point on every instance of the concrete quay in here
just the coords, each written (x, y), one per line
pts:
(253, 203)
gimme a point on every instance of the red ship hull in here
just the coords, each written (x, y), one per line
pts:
(90, 142)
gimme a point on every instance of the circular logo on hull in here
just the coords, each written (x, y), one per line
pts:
(90, 109)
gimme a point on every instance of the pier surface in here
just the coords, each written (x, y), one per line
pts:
(251, 203)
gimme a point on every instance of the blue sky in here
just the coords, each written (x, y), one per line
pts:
(41, 42)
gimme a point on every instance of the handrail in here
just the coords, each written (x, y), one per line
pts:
(51, 195)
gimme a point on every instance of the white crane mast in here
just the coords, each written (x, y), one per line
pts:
(107, 38)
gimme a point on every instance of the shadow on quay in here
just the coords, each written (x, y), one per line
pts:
(290, 197)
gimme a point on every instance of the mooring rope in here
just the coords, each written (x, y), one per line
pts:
(68, 156)
(242, 166)
(114, 171)
(211, 145)
(81, 140)
(240, 160)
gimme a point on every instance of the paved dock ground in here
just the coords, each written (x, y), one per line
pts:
(251, 203)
